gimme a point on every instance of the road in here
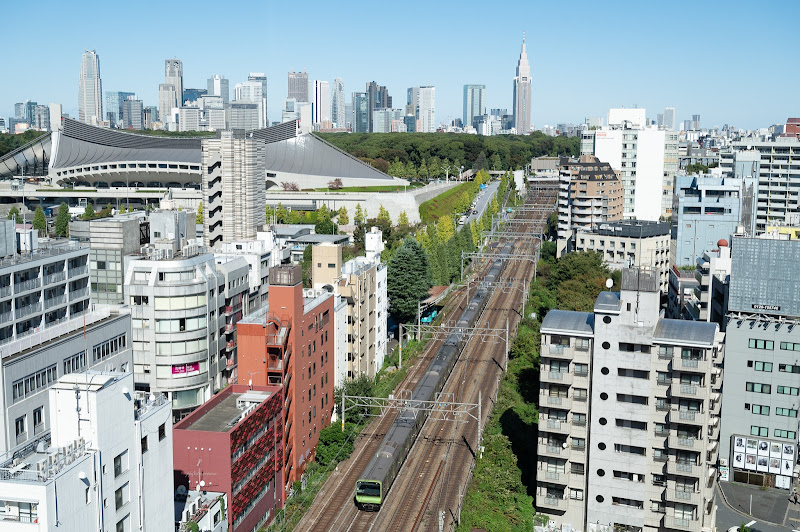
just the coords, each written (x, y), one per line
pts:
(483, 201)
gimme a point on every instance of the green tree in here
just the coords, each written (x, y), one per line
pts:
(335, 444)
(361, 386)
(402, 220)
(89, 214)
(445, 229)
(480, 163)
(281, 214)
(39, 221)
(324, 224)
(423, 170)
(408, 281)
(396, 168)
(359, 217)
(198, 219)
(383, 216)
(62, 220)
(497, 164)
(308, 262)
(13, 214)
(343, 219)
(696, 169)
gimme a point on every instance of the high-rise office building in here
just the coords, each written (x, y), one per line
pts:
(338, 111)
(424, 101)
(379, 98)
(321, 109)
(260, 77)
(643, 457)
(669, 118)
(696, 122)
(167, 101)
(170, 93)
(253, 91)
(41, 118)
(133, 114)
(90, 89)
(298, 86)
(361, 123)
(19, 110)
(192, 95)
(522, 93)
(115, 101)
(474, 102)
(218, 86)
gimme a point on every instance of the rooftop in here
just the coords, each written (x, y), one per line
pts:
(633, 229)
(569, 321)
(607, 302)
(685, 332)
(226, 414)
(39, 462)
(318, 239)
(54, 249)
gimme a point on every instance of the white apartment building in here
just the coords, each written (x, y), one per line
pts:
(261, 255)
(234, 197)
(184, 309)
(644, 457)
(645, 156)
(105, 465)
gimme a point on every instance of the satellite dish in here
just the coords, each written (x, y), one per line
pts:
(609, 283)
(202, 483)
(564, 445)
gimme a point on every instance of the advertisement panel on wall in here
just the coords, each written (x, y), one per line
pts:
(762, 455)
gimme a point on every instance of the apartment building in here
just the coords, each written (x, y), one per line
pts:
(682, 284)
(707, 209)
(759, 422)
(361, 283)
(645, 156)
(630, 243)
(709, 299)
(109, 240)
(184, 310)
(643, 457)
(770, 171)
(590, 193)
(261, 254)
(105, 465)
(233, 444)
(290, 342)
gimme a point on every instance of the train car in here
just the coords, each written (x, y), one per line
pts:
(381, 471)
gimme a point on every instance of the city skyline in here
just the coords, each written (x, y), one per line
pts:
(655, 55)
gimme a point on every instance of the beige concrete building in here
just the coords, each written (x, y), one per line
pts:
(361, 283)
(590, 193)
(630, 243)
(643, 458)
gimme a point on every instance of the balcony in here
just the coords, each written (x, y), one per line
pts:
(559, 402)
(684, 442)
(684, 390)
(557, 351)
(679, 523)
(558, 477)
(229, 345)
(683, 468)
(691, 364)
(55, 301)
(556, 425)
(6, 317)
(549, 500)
(551, 449)
(5, 291)
(80, 293)
(563, 377)
(229, 310)
(690, 417)
(229, 363)
(77, 271)
(30, 284)
(683, 496)
(54, 278)
(229, 328)
(29, 309)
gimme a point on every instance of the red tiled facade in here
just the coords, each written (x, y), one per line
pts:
(243, 461)
(293, 346)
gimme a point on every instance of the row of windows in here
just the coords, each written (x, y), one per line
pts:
(761, 344)
(758, 387)
(34, 382)
(108, 348)
(767, 366)
(75, 363)
(181, 348)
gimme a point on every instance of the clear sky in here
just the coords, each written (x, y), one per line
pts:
(729, 61)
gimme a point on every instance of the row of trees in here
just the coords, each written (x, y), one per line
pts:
(512, 151)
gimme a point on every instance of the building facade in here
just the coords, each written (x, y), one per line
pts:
(647, 462)
(630, 243)
(361, 113)
(298, 86)
(522, 93)
(233, 444)
(759, 421)
(234, 197)
(474, 102)
(290, 342)
(707, 210)
(90, 89)
(590, 193)
(338, 111)
(218, 85)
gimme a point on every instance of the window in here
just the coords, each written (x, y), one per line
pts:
(788, 434)
(788, 390)
(760, 410)
(19, 426)
(118, 501)
(576, 494)
(38, 421)
(759, 431)
(579, 394)
(144, 445)
(763, 366)
(576, 468)
(120, 463)
(625, 475)
(582, 369)
(633, 373)
(630, 424)
(162, 431)
(757, 387)
(634, 399)
(788, 368)
(755, 343)
(663, 377)
(786, 412)
(579, 443)
(790, 346)
(619, 448)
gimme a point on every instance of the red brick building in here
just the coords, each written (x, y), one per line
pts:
(233, 443)
(290, 342)
(792, 128)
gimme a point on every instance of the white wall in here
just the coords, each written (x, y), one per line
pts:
(649, 175)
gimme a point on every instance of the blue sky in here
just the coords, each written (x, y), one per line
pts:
(729, 61)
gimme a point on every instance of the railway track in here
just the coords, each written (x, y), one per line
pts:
(438, 468)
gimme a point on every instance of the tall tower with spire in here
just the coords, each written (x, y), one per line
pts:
(522, 93)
